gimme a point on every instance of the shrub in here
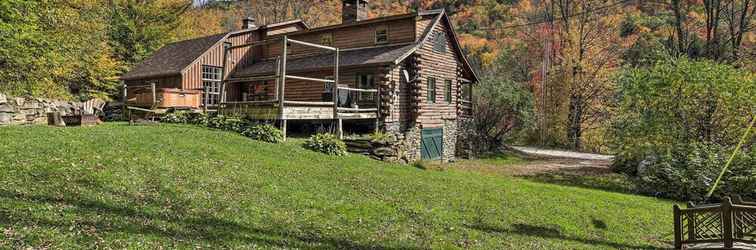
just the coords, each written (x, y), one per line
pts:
(230, 123)
(175, 117)
(327, 144)
(688, 171)
(264, 132)
(380, 137)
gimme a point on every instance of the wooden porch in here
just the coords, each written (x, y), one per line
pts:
(341, 106)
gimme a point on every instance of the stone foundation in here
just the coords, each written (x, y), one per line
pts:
(402, 146)
(465, 132)
(450, 140)
(25, 110)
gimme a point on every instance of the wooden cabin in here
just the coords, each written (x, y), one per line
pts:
(406, 74)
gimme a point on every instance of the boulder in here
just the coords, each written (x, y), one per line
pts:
(3, 99)
(20, 101)
(6, 108)
(5, 118)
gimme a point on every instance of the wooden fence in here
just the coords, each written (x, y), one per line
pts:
(722, 225)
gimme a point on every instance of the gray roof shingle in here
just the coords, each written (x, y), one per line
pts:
(355, 57)
(173, 58)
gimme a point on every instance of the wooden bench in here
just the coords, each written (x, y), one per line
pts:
(726, 225)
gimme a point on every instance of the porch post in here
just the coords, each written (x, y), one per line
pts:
(281, 91)
(727, 222)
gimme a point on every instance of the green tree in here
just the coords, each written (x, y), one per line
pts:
(683, 101)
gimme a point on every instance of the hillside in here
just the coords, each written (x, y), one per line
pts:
(119, 186)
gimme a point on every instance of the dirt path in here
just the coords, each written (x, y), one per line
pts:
(564, 154)
(541, 166)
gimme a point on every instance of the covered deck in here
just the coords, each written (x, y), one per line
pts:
(267, 97)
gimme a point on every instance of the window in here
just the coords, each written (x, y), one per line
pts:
(431, 90)
(448, 91)
(326, 39)
(365, 82)
(381, 34)
(439, 42)
(211, 80)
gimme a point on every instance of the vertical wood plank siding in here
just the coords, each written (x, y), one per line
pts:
(442, 66)
(192, 76)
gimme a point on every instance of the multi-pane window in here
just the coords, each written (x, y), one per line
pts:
(326, 39)
(448, 91)
(211, 81)
(431, 90)
(439, 43)
(381, 34)
(365, 81)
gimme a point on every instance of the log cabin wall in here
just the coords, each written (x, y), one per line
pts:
(442, 67)
(354, 36)
(397, 99)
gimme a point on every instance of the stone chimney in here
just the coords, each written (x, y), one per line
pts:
(354, 10)
(248, 23)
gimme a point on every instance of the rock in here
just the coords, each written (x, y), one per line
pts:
(30, 105)
(20, 101)
(384, 151)
(5, 118)
(6, 108)
(3, 99)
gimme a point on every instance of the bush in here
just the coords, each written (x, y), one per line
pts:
(229, 123)
(327, 144)
(688, 171)
(264, 132)
(184, 117)
(380, 137)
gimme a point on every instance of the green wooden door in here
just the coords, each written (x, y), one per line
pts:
(432, 143)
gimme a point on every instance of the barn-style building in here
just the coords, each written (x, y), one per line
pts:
(405, 74)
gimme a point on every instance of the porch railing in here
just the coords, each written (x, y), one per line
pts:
(726, 223)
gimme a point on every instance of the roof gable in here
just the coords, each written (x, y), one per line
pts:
(171, 59)
(175, 58)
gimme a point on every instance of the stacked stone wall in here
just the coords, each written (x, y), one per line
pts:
(28, 110)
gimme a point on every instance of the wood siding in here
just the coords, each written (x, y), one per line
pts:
(397, 97)
(192, 76)
(357, 36)
(442, 67)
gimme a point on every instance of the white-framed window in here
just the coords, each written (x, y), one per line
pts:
(381, 34)
(366, 81)
(211, 81)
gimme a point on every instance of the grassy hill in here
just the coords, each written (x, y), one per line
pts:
(178, 186)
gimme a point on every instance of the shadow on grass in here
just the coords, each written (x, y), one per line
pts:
(176, 225)
(587, 177)
(554, 233)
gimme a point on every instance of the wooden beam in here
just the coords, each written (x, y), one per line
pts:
(358, 109)
(360, 90)
(309, 79)
(254, 78)
(255, 44)
(154, 93)
(282, 86)
(309, 103)
(311, 44)
(335, 87)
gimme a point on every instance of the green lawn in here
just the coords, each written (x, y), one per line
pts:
(118, 186)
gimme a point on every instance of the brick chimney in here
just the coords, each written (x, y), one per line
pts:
(354, 10)
(248, 23)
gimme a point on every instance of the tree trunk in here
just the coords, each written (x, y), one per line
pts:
(574, 130)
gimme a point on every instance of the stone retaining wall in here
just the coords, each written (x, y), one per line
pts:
(27, 110)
